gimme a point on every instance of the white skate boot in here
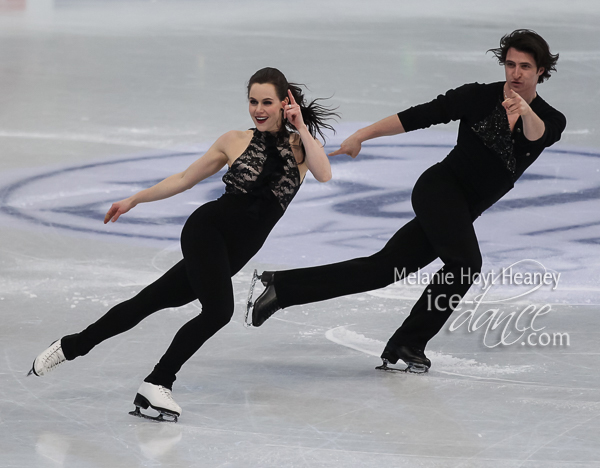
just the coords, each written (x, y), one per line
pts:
(158, 398)
(49, 360)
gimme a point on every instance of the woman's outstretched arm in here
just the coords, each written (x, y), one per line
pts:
(208, 164)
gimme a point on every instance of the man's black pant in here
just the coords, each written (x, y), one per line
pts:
(442, 228)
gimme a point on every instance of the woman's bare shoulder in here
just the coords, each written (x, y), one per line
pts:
(235, 137)
(234, 142)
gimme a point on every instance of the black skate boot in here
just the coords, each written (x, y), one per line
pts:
(414, 358)
(266, 304)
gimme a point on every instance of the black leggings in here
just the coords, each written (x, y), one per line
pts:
(443, 228)
(218, 239)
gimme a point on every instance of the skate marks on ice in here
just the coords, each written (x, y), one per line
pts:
(442, 363)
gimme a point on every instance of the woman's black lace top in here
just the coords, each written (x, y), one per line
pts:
(268, 166)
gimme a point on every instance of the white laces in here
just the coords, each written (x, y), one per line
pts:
(53, 360)
(166, 392)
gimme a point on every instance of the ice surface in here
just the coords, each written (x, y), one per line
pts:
(100, 99)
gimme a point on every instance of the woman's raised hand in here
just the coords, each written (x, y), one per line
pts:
(293, 113)
(117, 209)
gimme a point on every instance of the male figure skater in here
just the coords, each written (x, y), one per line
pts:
(504, 127)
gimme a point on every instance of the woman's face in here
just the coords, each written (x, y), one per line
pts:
(265, 107)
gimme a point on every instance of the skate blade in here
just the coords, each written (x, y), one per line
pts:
(250, 302)
(32, 370)
(162, 417)
(411, 368)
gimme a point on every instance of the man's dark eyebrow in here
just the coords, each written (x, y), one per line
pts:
(520, 63)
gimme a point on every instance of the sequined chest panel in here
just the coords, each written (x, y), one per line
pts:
(267, 164)
(494, 132)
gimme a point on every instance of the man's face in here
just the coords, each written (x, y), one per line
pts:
(521, 72)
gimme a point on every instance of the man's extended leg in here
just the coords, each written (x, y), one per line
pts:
(406, 252)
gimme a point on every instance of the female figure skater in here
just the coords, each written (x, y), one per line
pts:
(266, 167)
(504, 127)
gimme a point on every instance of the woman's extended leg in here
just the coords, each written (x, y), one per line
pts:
(214, 249)
(208, 270)
(170, 290)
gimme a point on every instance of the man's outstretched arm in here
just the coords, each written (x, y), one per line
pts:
(385, 127)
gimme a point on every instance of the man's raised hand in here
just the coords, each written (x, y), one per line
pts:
(515, 104)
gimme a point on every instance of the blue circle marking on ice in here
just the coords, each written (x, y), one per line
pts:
(42, 199)
(76, 198)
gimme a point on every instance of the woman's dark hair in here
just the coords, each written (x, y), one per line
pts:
(526, 40)
(313, 114)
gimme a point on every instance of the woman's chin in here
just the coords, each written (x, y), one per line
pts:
(266, 128)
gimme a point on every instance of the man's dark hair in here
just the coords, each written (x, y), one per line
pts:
(526, 40)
